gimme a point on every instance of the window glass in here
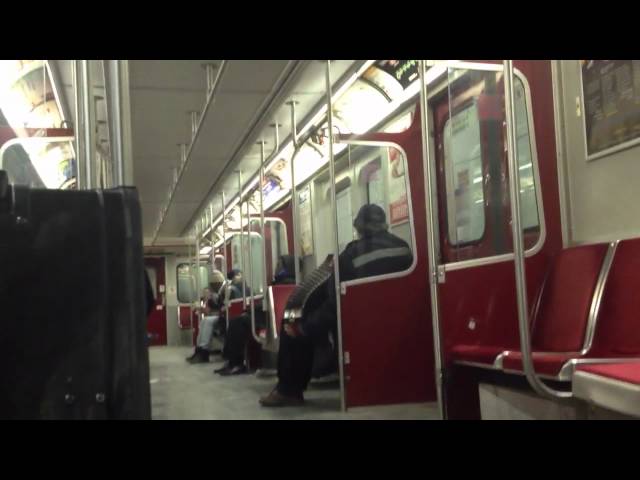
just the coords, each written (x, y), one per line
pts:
(345, 219)
(528, 202)
(464, 177)
(372, 177)
(472, 171)
(186, 284)
(304, 215)
(41, 163)
(279, 244)
(256, 278)
(187, 292)
(379, 217)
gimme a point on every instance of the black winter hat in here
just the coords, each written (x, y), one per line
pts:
(233, 273)
(370, 219)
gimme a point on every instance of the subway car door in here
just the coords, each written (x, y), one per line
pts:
(386, 323)
(157, 320)
(476, 279)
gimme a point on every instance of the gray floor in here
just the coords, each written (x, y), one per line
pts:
(180, 391)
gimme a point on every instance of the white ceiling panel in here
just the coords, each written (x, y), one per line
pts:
(162, 92)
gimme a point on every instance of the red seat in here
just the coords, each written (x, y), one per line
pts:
(545, 363)
(481, 355)
(562, 319)
(624, 372)
(617, 333)
(614, 386)
(278, 297)
(184, 317)
(235, 308)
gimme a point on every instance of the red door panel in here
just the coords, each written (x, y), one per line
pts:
(386, 325)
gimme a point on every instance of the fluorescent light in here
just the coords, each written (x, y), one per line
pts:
(525, 166)
(477, 180)
(205, 250)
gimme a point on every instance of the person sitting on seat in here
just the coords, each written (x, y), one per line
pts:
(209, 314)
(233, 288)
(376, 252)
(239, 331)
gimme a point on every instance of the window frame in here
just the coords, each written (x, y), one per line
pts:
(388, 276)
(190, 264)
(478, 262)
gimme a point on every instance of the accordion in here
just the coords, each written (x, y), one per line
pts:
(299, 297)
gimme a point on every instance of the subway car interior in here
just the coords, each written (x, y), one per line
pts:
(320, 239)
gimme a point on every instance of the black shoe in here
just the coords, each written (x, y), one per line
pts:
(193, 355)
(202, 356)
(224, 367)
(237, 370)
(277, 399)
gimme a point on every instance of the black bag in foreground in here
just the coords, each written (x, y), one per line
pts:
(72, 320)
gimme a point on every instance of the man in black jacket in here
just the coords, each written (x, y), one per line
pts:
(376, 252)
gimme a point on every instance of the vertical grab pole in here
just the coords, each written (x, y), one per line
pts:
(198, 286)
(87, 125)
(213, 239)
(226, 263)
(252, 284)
(117, 141)
(294, 196)
(265, 278)
(432, 239)
(244, 279)
(336, 246)
(518, 242)
(81, 174)
(190, 263)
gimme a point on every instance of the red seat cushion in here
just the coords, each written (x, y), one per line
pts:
(543, 363)
(624, 372)
(483, 354)
(235, 308)
(568, 289)
(618, 328)
(184, 318)
(280, 295)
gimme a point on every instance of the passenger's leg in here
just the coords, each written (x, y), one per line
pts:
(205, 329)
(295, 361)
(237, 334)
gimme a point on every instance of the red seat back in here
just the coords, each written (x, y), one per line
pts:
(278, 297)
(235, 308)
(618, 328)
(561, 322)
(184, 317)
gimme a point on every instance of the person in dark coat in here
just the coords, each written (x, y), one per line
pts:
(239, 331)
(375, 252)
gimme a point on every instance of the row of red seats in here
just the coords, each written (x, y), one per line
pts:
(587, 312)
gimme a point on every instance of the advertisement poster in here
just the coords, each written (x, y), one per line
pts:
(611, 100)
(306, 232)
(404, 71)
(398, 204)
